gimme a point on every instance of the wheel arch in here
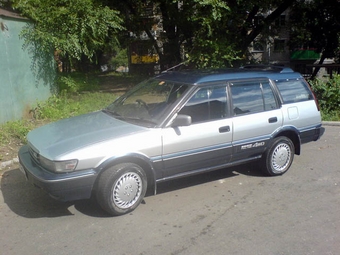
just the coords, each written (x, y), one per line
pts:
(293, 134)
(140, 160)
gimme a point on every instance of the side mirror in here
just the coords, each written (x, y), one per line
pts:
(181, 120)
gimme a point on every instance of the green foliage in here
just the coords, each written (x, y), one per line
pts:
(16, 129)
(211, 46)
(74, 28)
(212, 53)
(77, 82)
(120, 59)
(316, 25)
(328, 94)
(65, 106)
(210, 33)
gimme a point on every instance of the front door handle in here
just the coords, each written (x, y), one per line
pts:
(224, 129)
(272, 120)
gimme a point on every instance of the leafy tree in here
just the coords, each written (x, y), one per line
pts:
(316, 25)
(208, 32)
(76, 29)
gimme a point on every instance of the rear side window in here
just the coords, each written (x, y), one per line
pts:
(293, 91)
(252, 97)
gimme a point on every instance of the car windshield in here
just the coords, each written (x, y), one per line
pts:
(148, 102)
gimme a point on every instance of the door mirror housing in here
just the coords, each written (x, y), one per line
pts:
(181, 120)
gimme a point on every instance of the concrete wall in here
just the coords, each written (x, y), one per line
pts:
(21, 84)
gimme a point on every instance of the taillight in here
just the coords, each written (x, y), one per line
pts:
(316, 101)
(315, 98)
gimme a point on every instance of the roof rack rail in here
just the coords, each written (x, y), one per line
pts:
(280, 69)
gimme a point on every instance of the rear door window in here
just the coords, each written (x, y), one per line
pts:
(252, 96)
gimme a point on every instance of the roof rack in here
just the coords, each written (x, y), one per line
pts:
(280, 69)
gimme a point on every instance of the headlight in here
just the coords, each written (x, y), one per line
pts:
(65, 166)
(58, 166)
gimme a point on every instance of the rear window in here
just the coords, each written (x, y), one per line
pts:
(293, 91)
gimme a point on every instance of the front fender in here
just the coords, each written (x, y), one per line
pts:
(149, 165)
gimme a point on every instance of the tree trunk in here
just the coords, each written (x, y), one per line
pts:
(267, 21)
(317, 69)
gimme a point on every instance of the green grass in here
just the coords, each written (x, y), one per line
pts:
(60, 107)
(15, 130)
(330, 116)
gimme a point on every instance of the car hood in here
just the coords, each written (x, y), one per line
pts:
(64, 136)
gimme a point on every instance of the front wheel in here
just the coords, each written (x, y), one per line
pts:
(278, 159)
(121, 188)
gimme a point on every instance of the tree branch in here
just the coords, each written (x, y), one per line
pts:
(266, 22)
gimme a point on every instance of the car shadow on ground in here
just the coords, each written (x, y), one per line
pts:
(30, 202)
(27, 201)
(251, 169)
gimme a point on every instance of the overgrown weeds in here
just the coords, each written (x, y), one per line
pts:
(15, 129)
(65, 106)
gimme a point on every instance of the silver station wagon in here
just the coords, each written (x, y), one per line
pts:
(174, 125)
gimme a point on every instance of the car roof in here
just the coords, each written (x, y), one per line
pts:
(213, 75)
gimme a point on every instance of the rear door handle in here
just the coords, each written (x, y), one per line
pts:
(272, 120)
(224, 129)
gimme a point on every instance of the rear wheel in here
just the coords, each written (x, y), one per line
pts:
(121, 188)
(278, 159)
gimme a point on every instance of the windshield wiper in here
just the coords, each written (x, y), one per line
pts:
(140, 120)
(113, 113)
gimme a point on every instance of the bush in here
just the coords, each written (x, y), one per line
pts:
(76, 82)
(328, 93)
(121, 59)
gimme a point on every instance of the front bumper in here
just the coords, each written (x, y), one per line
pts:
(61, 186)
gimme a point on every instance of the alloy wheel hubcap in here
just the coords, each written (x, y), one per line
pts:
(281, 157)
(127, 190)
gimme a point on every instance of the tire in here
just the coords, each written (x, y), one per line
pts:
(278, 159)
(121, 188)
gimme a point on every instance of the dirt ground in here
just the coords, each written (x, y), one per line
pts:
(9, 154)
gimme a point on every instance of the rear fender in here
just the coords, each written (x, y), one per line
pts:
(293, 134)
